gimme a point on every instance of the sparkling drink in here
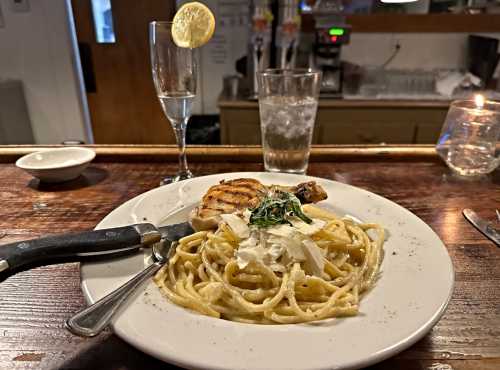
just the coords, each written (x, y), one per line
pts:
(287, 125)
(177, 107)
(174, 75)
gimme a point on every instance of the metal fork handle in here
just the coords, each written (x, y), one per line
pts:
(93, 319)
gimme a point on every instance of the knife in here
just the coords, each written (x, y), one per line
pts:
(73, 247)
(482, 225)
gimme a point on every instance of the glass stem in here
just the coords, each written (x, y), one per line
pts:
(180, 135)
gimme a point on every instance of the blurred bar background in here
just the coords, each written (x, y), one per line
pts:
(80, 70)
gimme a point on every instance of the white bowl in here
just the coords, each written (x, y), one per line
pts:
(56, 165)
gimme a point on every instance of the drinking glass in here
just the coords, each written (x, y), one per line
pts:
(288, 101)
(469, 139)
(174, 76)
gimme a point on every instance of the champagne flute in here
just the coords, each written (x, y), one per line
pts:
(174, 76)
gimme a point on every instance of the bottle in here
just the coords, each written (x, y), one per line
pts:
(259, 46)
(287, 34)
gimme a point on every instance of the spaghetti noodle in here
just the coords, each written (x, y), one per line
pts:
(206, 275)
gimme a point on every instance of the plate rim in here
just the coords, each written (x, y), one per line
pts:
(376, 357)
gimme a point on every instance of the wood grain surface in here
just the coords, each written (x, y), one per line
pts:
(34, 304)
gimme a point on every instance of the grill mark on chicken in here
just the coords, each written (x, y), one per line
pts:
(229, 192)
(233, 197)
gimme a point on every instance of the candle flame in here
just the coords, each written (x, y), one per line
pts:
(479, 100)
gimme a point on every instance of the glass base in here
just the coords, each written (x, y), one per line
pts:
(286, 170)
(471, 172)
(179, 177)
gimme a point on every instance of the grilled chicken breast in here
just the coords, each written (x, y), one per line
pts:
(234, 195)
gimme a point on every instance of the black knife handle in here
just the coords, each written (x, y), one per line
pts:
(88, 243)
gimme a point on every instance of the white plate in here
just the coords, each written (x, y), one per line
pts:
(410, 297)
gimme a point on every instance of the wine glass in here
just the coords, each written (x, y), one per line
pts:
(174, 75)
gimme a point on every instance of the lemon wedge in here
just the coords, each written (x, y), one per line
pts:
(193, 25)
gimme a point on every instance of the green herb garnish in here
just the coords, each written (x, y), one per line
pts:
(274, 209)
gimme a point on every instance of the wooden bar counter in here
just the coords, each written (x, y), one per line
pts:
(34, 304)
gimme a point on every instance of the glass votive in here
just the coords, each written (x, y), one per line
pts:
(468, 142)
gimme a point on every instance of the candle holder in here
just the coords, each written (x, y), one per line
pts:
(468, 142)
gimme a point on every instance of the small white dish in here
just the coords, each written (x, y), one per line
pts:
(56, 165)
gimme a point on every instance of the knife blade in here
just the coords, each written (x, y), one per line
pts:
(482, 225)
(72, 247)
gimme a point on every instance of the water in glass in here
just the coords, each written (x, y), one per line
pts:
(468, 140)
(472, 159)
(288, 100)
(287, 124)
